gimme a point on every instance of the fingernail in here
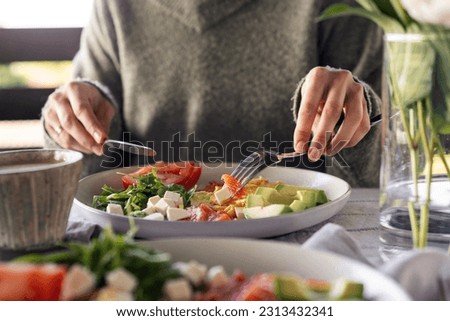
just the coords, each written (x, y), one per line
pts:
(98, 150)
(313, 154)
(98, 138)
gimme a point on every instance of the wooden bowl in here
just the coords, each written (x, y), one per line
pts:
(37, 188)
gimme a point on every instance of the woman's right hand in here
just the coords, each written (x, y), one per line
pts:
(77, 116)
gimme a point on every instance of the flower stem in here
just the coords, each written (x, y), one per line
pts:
(428, 151)
(414, 224)
(412, 146)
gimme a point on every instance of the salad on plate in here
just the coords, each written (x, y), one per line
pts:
(168, 191)
(116, 267)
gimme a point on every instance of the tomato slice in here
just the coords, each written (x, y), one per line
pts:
(186, 174)
(19, 282)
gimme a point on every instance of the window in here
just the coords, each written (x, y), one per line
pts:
(44, 13)
(18, 71)
(38, 41)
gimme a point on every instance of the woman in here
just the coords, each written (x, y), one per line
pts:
(205, 79)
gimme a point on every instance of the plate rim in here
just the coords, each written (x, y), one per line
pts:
(125, 220)
(313, 253)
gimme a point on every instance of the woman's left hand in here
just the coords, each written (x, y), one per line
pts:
(327, 95)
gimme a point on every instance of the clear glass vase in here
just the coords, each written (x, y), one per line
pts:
(415, 184)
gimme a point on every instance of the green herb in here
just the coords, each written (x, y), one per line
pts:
(111, 251)
(134, 199)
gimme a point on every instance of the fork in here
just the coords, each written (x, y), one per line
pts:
(260, 159)
(256, 162)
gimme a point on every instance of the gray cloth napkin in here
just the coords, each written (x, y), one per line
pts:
(81, 230)
(424, 274)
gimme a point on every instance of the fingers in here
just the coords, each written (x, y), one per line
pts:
(73, 127)
(327, 94)
(307, 113)
(83, 109)
(330, 115)
(356, 123)
(56, 131)
(77, 117)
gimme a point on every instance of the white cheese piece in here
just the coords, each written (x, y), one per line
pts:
(239, 212)
(195, 272)
(155, 217)
(176, 197)
(223, 194)
(178, 290)
(108, 293)
(176, 214)
(79, 281)
(153, 200)
(163, 204)
(149, 210)
(180, 266)
(114, 209)
(217, 276)
(121, 280)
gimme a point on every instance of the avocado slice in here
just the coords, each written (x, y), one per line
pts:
(298, 206)
(291, 288)
(291, 191)
(272, 196)
(266, 211)
(254, 200)
(343, 289)
(309, 198)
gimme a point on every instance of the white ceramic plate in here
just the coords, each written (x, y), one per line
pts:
(253, 256)
(338, 191)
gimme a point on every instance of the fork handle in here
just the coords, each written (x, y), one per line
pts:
(290, 155)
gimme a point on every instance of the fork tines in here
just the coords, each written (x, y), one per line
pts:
(252, 165)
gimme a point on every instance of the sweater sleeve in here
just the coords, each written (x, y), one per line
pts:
(97, 63)
(354, 44)
(98, 59)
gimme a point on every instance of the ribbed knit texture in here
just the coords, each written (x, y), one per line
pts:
(224, 71)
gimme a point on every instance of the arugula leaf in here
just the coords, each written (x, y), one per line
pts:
(134, 199)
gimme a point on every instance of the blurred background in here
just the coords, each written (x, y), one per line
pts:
(38, 39)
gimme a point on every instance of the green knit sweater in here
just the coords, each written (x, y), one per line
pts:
(210, 79)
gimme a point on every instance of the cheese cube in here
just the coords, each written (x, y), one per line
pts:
(223, 194)
(114, 209)
(153, 200)
(174, 197)
(122, 280)
(163, 204)
(178, 290)
(239, 212)
(79, 281)
(108, 293)
(217, 276)
(155, 217)
(195, 272)
(149, 210)
(176, 214)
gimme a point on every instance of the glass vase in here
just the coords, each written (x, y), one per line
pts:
(415, 184)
